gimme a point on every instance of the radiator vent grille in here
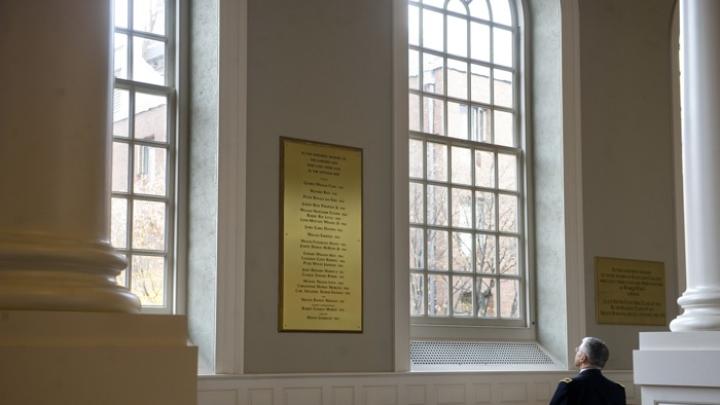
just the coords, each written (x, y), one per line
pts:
(434, 354)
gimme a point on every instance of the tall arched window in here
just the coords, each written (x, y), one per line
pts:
(467, 187)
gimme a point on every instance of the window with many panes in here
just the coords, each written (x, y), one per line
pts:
(143, 147)
(467, 164)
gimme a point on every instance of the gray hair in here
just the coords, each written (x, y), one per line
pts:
(596, 351)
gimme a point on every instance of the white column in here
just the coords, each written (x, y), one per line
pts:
(54, 158)
(700, 27)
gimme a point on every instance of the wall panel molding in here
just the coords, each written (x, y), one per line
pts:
(513, 388)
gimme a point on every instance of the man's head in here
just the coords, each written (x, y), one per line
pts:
(592, 352)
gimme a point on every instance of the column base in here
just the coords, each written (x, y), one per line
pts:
(678, 367)
(701, 311)
(41, 273)
(95, 358)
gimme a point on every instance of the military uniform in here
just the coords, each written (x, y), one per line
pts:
(589, 387)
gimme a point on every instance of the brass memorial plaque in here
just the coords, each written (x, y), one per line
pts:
(629, 292)
(321, 280)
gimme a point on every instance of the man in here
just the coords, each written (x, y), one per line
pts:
(589, 387)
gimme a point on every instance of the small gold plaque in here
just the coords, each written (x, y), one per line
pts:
(321, 270)
(629, 292)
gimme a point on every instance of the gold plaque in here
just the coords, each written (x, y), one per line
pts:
(321, 272)
(629, 292)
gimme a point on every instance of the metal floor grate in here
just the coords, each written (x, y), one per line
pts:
(434, 354)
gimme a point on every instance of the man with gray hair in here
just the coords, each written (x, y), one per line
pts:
(589, 387)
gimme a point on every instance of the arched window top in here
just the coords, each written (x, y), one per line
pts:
(497, 11)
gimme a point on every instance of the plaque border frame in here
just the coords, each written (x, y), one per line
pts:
(596, 263)
(281, 233)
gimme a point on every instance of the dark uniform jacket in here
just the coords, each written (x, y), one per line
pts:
(589, 387)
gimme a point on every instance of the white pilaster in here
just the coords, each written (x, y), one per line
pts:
(700, 26)
(679, 366)
(54, 158)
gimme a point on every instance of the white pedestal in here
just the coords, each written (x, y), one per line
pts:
(678, 368)
(84, 358)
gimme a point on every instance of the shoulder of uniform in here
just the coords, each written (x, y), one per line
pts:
(623, 387)
(566, 380)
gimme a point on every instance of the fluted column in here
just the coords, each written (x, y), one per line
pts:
(55, 158)
(700, 26)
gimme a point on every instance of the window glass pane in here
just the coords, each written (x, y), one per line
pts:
(480, 41)
(120, 167)
(504, 128)
(417, 294)
(414, 69)
(149, 16)
(121, 279)
(437, 249)
(417, 205)
(413, 25)
(509, 299)
(461, 166)
(416, 158)
(508, 255)
(438, 295)
(508, 213)
(462, 296)
(462, 258)
(148, 279)
(485, 210)
(433, 77)
(437, 205)
(484, 169)
(486, 297)
(433, 31)
(502, 47)
(118, 223)
(436, 3)
(503, 88)
(121, 112)
(480, 84)
(148, 225)
(150, 117)
(507, 171)
(457, 120)
(501, 11)
(433, 116)
(148, 61)
(479, 9)
(485, 253)
(417, 248)
(437, 162)
(457, 79)
(461, 208)
(120, 11)
(480, 124)
(414, 112)
(456, 6)
(120, 55)
(457, 36)
(149, 172)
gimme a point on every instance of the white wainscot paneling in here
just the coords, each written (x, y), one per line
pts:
(450, 394)
(482, 388)
(219, 397)
(513, 393)
(380, 395)
(302, 396)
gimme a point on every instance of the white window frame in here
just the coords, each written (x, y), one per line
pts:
(172, 169)
(427, 327)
